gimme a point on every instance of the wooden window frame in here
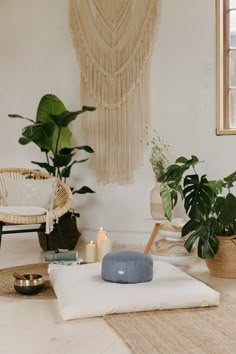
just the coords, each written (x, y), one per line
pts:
(222, 68)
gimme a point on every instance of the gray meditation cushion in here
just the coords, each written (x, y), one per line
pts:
(127, 267)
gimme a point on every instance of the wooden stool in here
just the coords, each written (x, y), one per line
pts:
(157, 226)
(160, 224)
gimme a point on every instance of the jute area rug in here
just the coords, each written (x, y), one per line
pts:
(7, 281)
(202, 330)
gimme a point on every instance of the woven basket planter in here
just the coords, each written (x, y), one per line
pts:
(223, 265)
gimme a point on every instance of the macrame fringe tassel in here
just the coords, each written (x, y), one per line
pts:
(113, 47)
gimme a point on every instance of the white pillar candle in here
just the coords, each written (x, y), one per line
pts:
(91, 252)
(100, 236)
(105, 247)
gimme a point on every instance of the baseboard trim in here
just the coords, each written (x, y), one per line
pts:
(138, 238)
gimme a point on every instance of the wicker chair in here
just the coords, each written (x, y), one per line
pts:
(62, 203)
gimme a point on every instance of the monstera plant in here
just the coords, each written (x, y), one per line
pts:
(209, 204)
(51, 133)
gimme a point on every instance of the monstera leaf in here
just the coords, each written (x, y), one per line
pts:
(230, 180)
(198, 197)
(208, 244)
(225, 209)
(175, 172)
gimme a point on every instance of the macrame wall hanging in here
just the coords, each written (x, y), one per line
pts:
(113, 40)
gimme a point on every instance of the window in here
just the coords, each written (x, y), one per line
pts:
(226, 66)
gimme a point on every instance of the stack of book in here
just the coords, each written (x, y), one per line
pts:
(63, 257)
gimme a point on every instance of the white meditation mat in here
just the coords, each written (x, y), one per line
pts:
(82, 293)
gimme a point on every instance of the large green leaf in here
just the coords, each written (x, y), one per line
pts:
(39, 133)
(83, 190)
(208, 244)
(225, 209)
(216, 186)
(51, 105)
(189, 243)
(45, 165)
(67, 151)
(169, 199)
(190, 226)
(65, 173)
(188, 162)
(18, 116)
(24, 141)
(198, 197)
(65, 118)
(60, 160)
(86, 148)
(173, 175)
(165, 193)
(89, 108)
(230, 180)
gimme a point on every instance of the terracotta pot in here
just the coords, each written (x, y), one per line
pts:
(64, 235)
(156, 207)
(223, 265)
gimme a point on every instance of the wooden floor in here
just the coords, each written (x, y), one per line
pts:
(35, 326)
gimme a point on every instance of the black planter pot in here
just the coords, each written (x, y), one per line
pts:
(65, 234)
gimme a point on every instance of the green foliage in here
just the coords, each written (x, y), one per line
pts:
(210, 205)
(50, 131)
(173, 178)
(198, 196)
(169, 199)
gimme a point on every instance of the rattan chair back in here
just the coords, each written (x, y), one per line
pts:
(62, 201)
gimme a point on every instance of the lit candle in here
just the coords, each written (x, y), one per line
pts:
(100, 236)
(91, 252)
(105, 247)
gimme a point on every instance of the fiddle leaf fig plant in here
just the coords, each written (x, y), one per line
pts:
(50, 131)
(209, 204)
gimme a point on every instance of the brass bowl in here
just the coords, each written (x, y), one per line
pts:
(33, 284)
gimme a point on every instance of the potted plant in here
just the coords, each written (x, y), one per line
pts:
(159, 161)
(50, 131)
(211, 208)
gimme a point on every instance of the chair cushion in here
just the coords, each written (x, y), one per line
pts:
(22, 211)
(28, 192)
(127, 267)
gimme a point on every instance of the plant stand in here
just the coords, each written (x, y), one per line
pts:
(158, 223)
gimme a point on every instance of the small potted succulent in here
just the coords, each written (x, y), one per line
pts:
(50, 131)
(211, 208)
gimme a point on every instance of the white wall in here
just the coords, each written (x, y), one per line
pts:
(37, 57)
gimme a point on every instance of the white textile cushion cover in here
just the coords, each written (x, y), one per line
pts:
(29, 192)
(22, 211)
(82, 293)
